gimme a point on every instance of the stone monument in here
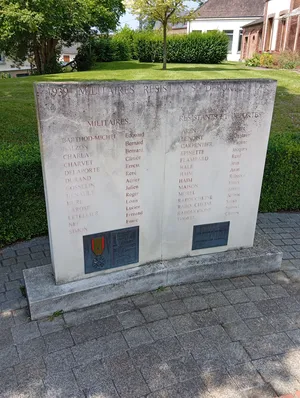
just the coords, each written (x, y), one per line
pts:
(148, 184)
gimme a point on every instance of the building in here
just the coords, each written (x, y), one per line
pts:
(278, 31)
(252, 38)
(229, 17)
(179, 28)
(9, 69)
(282, 25)
(68, 54)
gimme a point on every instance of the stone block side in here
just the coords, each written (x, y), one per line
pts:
(45, 297)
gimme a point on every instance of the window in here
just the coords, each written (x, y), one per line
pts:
(269, 34)
(240, 41)
(1, 58)
(245, 49)
(229, 33)
(66, 58)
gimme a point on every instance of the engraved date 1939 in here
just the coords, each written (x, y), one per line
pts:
(58, 91)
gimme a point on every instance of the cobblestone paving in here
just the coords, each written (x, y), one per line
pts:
(236, 337)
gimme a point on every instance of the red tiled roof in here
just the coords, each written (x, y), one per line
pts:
(231, 9)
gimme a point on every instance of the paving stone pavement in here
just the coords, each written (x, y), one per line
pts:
(236, 337)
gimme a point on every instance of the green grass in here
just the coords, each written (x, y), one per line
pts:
(18, 118)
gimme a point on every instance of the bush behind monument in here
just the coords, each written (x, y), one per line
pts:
(281, 183)
(204, 48)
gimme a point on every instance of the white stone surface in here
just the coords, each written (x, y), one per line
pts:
(86, 130)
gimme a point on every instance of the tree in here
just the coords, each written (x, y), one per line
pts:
(37, 27)
(164, 11)
(146, 24)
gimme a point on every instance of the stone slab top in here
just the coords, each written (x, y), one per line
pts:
(121, 82)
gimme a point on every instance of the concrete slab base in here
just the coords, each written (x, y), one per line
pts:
(45, 297)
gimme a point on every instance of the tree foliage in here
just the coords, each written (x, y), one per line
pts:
(164, 11)
(128, 35)
(146, 24)
(37, 27)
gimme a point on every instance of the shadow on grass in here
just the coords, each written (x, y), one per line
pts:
(223, 66)
(136, 65)
(123, 65)
(205, 68)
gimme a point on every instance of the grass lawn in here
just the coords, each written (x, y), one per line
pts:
(17, 109)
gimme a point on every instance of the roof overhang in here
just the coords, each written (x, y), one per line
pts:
(293, 13)
(258, 21)
(225, 18)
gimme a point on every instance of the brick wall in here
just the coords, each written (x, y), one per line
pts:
(292, 33)
(252, 41)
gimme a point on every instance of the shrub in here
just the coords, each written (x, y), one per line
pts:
(205, 48)
(281, 183)
(149, 47)
(285, 60)
(102, 49)
(263, 60)
(266, 60)
(254, 61)
(5, 75)
(128, 36)
(84, 59)
(22, 205)
(120, 49)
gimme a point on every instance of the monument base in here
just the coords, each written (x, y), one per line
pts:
(45, 297)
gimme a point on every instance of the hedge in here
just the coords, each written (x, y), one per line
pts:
(102, 49)
(281, 183)
(204, 48)
(22, 205)
(109, 49)
(128, 36)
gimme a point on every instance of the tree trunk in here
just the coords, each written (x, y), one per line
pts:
(43, 56)
(44, 53)
(165, 46)
(37, 60)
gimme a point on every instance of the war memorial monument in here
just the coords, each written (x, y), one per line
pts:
(149, 184)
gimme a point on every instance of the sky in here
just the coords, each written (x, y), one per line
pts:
(131, 20)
